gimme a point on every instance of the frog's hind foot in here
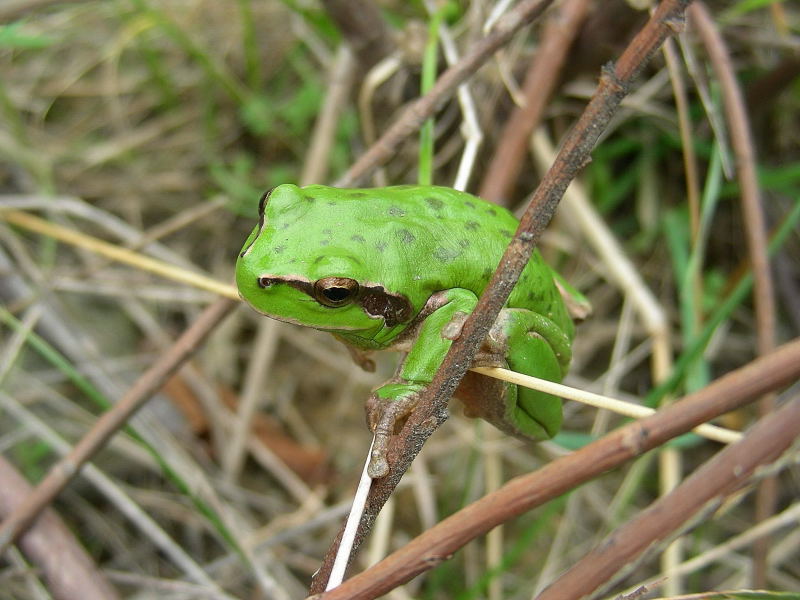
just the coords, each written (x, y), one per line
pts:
(537, 414)
(386, 417)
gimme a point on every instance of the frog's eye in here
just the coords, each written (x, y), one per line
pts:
(335, 291)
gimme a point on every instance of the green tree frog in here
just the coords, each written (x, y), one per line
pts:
(400, 268)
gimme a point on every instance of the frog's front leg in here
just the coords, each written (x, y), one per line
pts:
(390, 404)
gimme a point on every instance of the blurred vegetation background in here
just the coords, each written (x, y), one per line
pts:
(157, 124)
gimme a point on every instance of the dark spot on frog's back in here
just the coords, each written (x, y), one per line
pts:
(358, 194)
(434, 203)
(443, 254)
(464, 243)
(309, 199)
(381, 246)
(327, 232)
(506, 233)
(469, 204)
(396, 211)
(358, 238)
(406, 236)
(279, 249)
(491, 211)
(377, 302)
(535, 296)
(472, 225)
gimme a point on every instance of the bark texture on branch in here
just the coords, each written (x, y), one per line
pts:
(523, 493)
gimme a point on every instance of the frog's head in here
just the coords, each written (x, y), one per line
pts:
(286, 273)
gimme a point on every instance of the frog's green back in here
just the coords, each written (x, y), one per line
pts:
(412, 240)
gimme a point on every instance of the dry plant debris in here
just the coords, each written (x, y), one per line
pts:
(154, 125)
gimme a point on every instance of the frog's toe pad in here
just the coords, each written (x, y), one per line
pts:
(385, 417)
(378, 465)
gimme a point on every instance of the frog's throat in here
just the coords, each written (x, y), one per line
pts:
(374, 299)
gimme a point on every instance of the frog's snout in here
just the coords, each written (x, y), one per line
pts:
(247, 277)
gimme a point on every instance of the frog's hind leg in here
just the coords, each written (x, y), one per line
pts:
(532, 345)
(534, 414)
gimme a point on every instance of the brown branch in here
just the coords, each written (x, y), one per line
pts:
(415, 114)
(717, 478)
(755, 230)
(541, 79)
(107, 425)
(752, 205)
(431, 410)
(68, 570)
(524, 493)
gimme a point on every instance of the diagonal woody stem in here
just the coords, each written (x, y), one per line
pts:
(575, 152)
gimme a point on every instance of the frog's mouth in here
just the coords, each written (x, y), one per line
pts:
(338, 292)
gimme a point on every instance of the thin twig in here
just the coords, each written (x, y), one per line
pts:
(524, 493)
(716, 479)
(431, 410)
(470, 127)
(123, 255)
(672, 59)
(315, 165)
(756, 233)
(413, 116)
(559, 31)
(137, 516)
(752, 205)
(629, 409)
(106, 426)
(722, 553)
(70, 572)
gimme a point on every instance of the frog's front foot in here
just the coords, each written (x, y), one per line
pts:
(388, 408)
